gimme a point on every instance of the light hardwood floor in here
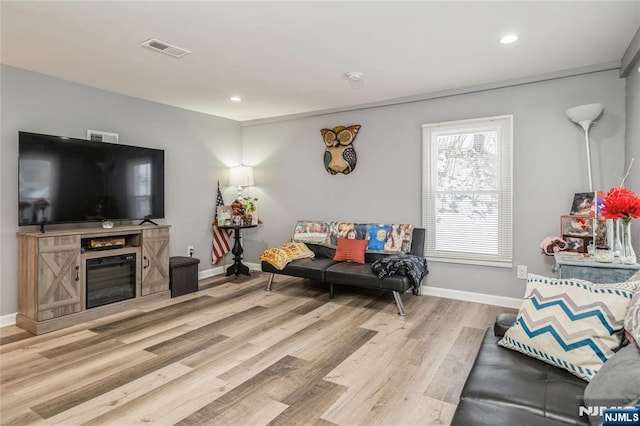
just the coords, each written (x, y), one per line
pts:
(234, 354)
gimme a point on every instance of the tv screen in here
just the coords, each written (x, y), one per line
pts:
(75, 180)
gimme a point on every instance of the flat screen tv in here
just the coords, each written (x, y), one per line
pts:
(64, 180)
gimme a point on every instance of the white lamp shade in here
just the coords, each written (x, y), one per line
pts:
(241, 176)
(585, 114)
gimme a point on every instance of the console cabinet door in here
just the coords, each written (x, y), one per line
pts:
(60, 277)
(155, 260)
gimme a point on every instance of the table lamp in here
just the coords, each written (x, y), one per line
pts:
(240, 177)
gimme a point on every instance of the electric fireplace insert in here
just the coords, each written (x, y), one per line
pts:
(110, 279)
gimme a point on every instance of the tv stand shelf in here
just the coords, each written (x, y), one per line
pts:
(52, 273)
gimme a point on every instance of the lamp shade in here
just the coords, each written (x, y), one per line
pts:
(241, 176)
(585, 114)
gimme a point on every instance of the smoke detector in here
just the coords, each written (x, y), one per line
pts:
(355, 79)
(354, 76)
(169, 49)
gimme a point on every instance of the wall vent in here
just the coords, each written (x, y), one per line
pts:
(100, 136)
(169, 49)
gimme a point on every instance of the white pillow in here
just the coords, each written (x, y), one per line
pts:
(572, 324)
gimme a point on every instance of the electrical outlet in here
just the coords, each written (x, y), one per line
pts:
(522, 272)
(190, 251)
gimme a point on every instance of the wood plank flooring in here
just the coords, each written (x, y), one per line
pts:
(234, 354)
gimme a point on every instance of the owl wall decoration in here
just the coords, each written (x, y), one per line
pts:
(339, 155)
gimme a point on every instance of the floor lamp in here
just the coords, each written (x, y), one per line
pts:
(584, 115)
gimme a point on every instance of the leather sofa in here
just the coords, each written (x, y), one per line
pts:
(506, 387)
(323, 268)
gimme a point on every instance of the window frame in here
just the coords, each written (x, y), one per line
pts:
(504, 123)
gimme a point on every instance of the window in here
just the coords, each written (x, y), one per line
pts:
(140, 188)
(467, 191)
(38, 188)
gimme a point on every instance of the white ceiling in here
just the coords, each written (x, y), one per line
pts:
(291, 57)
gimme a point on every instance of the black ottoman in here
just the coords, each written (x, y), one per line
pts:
(183, 275)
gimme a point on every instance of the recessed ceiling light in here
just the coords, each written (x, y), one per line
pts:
(509, 38)
(235, 99)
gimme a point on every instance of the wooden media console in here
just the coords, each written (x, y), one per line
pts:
(52, 272)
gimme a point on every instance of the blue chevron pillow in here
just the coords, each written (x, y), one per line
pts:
(572, 324)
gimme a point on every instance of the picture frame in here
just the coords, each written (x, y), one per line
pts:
(224, 215)
(582, 203)
(601, 234)
(576, 226)
(577, 244)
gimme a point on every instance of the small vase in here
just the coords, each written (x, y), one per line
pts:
(606, 253)
(627, 255)
(617, 237)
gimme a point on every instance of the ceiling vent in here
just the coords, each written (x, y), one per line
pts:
(169, 49)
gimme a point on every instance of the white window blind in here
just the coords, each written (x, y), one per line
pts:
(467, 190)
(139, 184)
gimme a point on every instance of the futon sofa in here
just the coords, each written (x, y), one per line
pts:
(506, 387)
(323, 268)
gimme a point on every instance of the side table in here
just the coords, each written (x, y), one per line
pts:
(238, 267)
(576, 265)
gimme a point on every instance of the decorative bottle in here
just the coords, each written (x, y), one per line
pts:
(627, 255)
(617, 237)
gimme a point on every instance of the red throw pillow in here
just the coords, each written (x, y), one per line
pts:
(350, 250)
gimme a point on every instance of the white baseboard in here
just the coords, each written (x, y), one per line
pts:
(219, 270)
(468, 296)
(254, 266)
(7, 320)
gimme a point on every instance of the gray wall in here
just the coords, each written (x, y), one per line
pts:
(291, 183)
(549, 167)
(633, 142)
(198, 150)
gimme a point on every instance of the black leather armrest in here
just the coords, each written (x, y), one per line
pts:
(502, 324)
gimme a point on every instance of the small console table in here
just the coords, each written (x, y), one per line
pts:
(238, 267)
(576, 265)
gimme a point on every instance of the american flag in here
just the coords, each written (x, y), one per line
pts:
(220, 236)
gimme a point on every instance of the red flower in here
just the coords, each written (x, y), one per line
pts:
(621, 203)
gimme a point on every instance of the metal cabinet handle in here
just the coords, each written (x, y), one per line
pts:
(147, 260)
(77, 273)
